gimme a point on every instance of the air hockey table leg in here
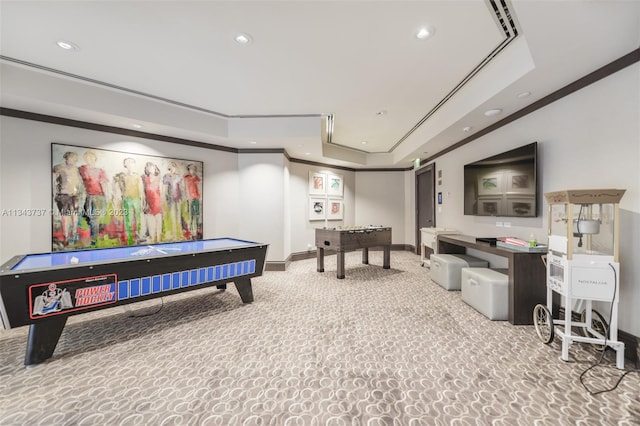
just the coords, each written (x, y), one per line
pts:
(42, 340)
(244, 289)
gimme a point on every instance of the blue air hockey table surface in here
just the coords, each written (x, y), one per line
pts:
(43, 290)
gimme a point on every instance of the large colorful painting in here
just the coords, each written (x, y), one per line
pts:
(103, 198)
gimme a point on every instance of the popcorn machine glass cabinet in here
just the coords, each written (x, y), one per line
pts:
(590, 230)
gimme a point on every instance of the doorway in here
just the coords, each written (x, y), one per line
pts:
(425, 205)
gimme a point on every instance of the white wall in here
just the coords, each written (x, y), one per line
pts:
(261, 216)
(25, 179)
(589, 139)
(370, 198)
(241, 193)
(302, 229)
(287, 211)
(381, 200)
(259, 197)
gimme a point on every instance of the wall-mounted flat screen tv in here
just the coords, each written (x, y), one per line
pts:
(503, 185)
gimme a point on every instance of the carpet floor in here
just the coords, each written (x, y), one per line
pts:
(380, 347)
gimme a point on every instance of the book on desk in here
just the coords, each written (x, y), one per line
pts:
(520, 245)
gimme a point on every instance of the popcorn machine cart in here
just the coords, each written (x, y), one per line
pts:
(582, 267)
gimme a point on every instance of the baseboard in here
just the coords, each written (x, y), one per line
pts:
(631, 346)
(310, 254)
(277, 266)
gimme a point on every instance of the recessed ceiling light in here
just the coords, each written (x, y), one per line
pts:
(523, 94)
(253, 142)
(67, 45)
(364, 142)
(243, 38)
(382, 112)
(424, 33)
(307, 153)
(136, 126)
(492, 112)
(467, 129)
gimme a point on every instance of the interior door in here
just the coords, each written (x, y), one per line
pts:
(425, 205)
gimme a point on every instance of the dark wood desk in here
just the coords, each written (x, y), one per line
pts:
(527, 274)
(343, 240)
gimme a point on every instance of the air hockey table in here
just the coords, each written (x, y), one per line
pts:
(43, 290)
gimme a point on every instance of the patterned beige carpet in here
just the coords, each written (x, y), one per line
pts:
(381, 347)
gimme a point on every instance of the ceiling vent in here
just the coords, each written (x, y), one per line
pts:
(507, 22)
(504, 17)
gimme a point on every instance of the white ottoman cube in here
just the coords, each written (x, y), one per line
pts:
(445, 268)
(487, 291)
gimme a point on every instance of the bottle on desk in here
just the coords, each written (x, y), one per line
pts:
(532, 240)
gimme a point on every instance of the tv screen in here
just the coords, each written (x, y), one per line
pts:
(503, 185)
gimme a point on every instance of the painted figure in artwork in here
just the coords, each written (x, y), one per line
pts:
(152, 207)
(96, 185)
(68, 190)
(318, 183)
(131, 193)
(174, 195)
(335, 184)
(192, 183)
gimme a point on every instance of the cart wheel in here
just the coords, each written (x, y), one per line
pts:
(544, 323)
(598, 323)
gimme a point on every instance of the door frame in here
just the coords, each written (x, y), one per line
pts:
(428, 168)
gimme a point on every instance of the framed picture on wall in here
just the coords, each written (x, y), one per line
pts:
(103, 198)
(335, 185)
(317, 183)
(490, 184)
(335, 209)
(317, 208)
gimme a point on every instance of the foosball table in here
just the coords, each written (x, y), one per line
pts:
(352, 238)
